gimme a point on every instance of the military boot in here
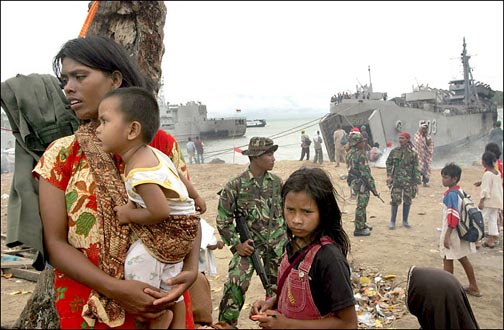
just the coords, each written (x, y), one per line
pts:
(393, 217)
(405, 213)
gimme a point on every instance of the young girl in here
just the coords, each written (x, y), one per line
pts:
(491, 197)
(451, 247)
(314, 288)
(165, 221)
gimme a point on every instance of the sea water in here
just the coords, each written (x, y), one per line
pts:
(286, 133)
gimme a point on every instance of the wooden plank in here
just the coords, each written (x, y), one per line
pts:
(18, 262)
(25, 274)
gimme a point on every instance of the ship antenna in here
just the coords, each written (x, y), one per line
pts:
(370, 83)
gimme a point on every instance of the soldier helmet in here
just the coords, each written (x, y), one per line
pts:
(355, 139)
(259, 146)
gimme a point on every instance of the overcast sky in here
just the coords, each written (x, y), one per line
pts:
(283, 56)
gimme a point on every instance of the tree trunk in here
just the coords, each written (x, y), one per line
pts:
(137, 26)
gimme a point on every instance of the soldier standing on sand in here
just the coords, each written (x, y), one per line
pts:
(403, 177)
(256, 193)
(361, 182)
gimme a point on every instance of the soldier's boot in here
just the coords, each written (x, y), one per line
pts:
(393, 216)
(405, 213)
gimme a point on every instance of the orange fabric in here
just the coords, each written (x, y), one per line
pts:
(89, 19)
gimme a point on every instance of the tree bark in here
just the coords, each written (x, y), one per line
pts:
(138, 27)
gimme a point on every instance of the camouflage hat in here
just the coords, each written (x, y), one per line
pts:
(354, 139)
(259, 146)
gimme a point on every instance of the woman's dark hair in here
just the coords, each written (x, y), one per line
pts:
(316, 183)
(493, 147)
(488, 158)
(104, 54)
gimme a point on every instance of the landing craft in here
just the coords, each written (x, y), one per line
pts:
(463, 113)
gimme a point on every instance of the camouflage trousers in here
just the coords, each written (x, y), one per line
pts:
(360, 209)
(239, 275)
(405, 192)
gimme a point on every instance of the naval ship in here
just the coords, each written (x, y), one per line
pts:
(456, 116)
(190, 120)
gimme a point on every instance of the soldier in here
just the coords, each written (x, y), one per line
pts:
(256, 194)
(403, 177)
(361, 181)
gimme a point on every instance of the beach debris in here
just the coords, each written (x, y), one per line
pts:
(15, 293)
(379, 299)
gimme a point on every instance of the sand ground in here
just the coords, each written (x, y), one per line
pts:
(389, 252)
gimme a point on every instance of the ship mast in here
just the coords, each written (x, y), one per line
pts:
(469, 88)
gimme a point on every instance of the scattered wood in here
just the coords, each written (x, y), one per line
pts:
(31, 275)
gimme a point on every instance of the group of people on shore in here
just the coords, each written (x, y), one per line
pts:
(121, 219)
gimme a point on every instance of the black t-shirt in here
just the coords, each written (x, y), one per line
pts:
(329, 277)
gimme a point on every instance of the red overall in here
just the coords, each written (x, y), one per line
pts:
(296, 301)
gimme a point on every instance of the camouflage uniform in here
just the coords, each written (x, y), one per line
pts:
(261, 204)
(402, 167)
(357, 160)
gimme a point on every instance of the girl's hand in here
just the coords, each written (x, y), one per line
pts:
(481, 205)
(261, 306)
(179, 284)
(273, 320)
(123, 212)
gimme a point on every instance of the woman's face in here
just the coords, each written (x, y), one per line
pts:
(301, 214)
(85, 87)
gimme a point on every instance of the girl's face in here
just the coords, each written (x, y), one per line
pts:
(113, 130)
(85, 87)
(301, 213)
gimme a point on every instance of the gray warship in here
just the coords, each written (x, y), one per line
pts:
(190, 120)
(463, 113)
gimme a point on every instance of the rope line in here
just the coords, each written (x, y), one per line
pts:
(274, 136)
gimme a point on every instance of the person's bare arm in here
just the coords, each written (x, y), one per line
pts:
(156, 211)
(193, 193)
(74, 264)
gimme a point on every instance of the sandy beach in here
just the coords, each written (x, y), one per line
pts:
(384, 252)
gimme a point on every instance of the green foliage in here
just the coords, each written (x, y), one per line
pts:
(497, 98)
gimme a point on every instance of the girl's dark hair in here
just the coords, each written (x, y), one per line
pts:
(493, 147)
(316, 183)
(104, 54)
(138, 104)
(488, 158)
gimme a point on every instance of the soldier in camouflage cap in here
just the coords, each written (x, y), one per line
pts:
(360, 180)
(256, 193)
(259, 146)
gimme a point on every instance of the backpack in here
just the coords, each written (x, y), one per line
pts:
(470, 227)
(344, 140)
(307, 141)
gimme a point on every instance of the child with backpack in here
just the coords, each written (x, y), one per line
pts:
(491, 197)
(451, 247)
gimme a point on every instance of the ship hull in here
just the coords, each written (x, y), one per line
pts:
(208, 129)
(385, 120)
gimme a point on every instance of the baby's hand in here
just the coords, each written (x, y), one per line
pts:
(123, 212)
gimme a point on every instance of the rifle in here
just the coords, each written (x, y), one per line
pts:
(356, 174)
(243, 230)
